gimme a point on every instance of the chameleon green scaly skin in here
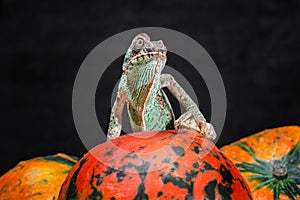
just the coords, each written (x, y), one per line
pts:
(141, 88)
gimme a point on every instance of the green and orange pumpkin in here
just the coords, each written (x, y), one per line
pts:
(173, 164)
(269, 161)
(36, 179)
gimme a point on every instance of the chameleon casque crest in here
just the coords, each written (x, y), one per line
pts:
(141, 88)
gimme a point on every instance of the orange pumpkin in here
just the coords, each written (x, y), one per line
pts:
(173, 164)
(36, 179)
(269, 161)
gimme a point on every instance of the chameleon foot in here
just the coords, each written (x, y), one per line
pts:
(188, 121)
(208, 130)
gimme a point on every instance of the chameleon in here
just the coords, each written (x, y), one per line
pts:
(140, 87)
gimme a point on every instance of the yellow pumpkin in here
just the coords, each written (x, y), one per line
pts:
(269, 161)
(36, 179)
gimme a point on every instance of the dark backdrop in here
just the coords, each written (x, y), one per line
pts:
(255, 45)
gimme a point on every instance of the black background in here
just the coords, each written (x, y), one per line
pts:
(255, 45)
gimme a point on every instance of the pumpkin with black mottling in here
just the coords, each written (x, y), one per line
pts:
(36, 179)
(269, 161)
(173, 164)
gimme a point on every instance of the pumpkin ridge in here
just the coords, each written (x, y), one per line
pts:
(294, 153)
(244, 146)
(72, 189)
(59, 159)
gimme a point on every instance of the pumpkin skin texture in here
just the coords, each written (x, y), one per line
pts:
(269, 161)
(174, 164)
(36, 179)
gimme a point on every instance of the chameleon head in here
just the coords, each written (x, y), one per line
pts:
(142, 51)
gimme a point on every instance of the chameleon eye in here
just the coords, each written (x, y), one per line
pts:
(139, 43)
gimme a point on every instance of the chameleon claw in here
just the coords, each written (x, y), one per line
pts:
(207, 130)
(190, 121)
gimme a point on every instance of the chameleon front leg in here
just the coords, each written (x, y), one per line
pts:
(192, 119)
(115, 122)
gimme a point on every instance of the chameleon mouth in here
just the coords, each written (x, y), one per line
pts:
(144, 58)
